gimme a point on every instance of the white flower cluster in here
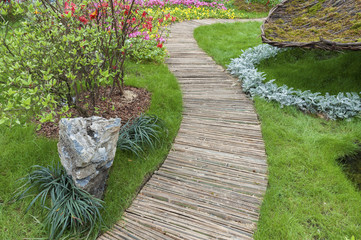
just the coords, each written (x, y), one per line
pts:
(341, 106)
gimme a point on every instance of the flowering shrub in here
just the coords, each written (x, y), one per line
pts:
(180, 3)
(333, 106)
(188, 13)
(191, 9)
(142, 50)
(65, 50)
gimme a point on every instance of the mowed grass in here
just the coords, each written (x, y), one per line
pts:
(243, 36)
(316, 70)
(309, 196)
(20, 149)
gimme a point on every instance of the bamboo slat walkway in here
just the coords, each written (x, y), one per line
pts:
(212, 183)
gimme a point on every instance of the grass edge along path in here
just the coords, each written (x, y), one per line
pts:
(127, 176)
(20, 149)
(308, 197)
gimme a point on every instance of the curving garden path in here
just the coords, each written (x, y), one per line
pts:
(212, 183)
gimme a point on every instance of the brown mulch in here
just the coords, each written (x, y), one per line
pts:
(134, 102)
(252, 7)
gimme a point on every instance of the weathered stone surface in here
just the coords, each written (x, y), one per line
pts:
(87, 148)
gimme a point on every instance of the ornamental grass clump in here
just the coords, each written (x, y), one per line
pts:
(65, 52)
(68, 208)
(141, 133)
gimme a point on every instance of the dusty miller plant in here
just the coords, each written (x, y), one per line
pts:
(341, 106)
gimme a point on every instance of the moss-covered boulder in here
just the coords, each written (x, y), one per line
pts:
(327, 24)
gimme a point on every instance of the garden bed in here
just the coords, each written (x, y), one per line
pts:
(131, 104)
(20, 149)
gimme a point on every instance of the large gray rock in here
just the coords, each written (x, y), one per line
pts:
(87, 148)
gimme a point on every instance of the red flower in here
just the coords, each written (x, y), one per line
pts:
(83, 19)
(93, 15)
(160, 20)
(160, 45)
(73, 7)
(144, 14)
(173, 19)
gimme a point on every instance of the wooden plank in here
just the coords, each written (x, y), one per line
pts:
(251, 160)
(186, 216)
(212, 199)
(225, 226)
(220, 191)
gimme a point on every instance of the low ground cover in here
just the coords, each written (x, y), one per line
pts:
(309, 196)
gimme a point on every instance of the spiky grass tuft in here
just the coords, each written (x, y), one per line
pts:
(71, 209)
(141, 133)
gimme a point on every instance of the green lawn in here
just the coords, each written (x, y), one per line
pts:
(315, 70)
(309, 196)
(20, 149)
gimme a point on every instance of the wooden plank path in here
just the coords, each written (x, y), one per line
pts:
(212, 183)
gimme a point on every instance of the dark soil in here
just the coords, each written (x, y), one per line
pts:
(252, 7)
(352, 168)
(134, 102)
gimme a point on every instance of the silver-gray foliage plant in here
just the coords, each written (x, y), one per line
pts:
(340, 106)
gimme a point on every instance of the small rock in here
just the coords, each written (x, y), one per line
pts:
(87, 148)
